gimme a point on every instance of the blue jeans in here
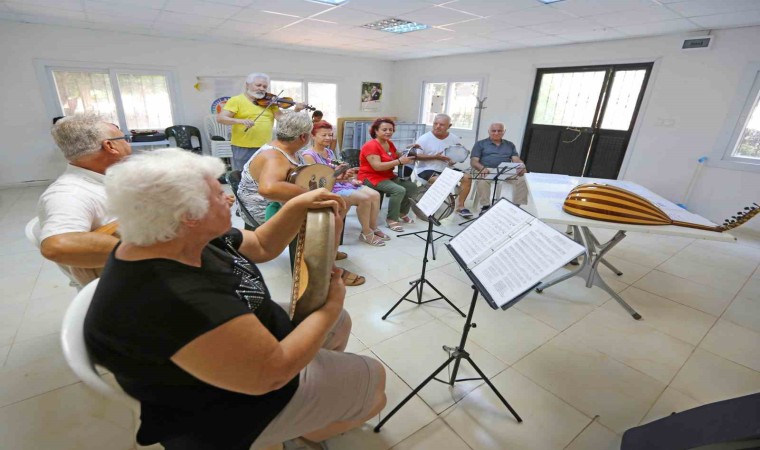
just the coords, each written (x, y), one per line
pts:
(241, 155)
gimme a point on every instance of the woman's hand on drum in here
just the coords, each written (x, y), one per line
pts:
(320, 198)
(406, 160)
(336, 293)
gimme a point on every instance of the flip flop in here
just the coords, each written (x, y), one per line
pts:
(352, 279)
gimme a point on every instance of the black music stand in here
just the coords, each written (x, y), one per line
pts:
(419, 283)
(456, 355)
(499, 172)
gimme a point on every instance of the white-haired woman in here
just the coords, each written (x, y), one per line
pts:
(184, 320)
(264, 177)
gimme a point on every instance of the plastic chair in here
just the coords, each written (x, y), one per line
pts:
(351, 156)
(75, 351)
(233, 179)
(219, 138)
(32, 231)
(183, 136)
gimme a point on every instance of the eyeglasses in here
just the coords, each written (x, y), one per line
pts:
(126, 137)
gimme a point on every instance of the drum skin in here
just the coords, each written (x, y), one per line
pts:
(457, 153)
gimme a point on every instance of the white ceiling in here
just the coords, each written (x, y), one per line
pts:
(459, 26)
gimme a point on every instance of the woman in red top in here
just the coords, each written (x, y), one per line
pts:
(377, 163)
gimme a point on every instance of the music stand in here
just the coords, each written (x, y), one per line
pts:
(456, 354)
(499, 172)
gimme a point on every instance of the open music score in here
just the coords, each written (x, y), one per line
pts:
(438, 191)
(506, 252)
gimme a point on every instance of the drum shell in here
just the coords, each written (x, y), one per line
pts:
(443, 211)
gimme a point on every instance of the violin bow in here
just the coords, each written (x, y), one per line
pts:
(271, 100)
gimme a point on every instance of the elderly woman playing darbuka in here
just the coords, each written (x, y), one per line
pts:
(377, 161)
(183, 318)
(366, 200)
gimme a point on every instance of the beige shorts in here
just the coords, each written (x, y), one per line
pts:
(333, 387)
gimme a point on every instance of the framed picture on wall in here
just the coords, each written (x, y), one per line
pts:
(371, 97)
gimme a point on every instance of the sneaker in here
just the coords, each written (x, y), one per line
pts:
(484, 209)
(464, 212)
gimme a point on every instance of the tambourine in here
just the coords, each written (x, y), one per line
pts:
(457, 153)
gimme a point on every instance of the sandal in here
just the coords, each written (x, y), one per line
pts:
(381, 235)
(407, 219)
(340, 255)
(352, 279)
(371, 239)
(394, 226)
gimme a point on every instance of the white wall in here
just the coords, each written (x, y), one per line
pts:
(27, 151)
(693, 88)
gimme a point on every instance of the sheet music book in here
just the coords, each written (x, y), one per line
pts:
(506, 252)
(438, 191)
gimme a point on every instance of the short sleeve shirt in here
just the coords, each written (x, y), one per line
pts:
(366, 172)
(492, 155)
(431, 145)
(261, 132)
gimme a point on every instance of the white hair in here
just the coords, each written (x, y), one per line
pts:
(292, 124)
(80, 135)
(255, 76)
(152, 193)
(442, 116)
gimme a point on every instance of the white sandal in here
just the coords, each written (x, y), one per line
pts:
(381, 235)
(371, 239)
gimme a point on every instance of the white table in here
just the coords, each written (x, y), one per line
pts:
(548, 193)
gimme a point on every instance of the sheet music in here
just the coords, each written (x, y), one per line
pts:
(528, 258)
(490, 230)
(438, 191)
(673, 211)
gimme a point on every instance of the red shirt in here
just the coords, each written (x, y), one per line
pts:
(366, 172)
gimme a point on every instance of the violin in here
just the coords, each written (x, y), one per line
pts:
(283, 102)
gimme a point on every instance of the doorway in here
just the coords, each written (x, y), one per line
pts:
(581, 118)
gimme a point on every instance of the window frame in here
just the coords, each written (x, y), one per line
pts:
(305, 88)
(45, 68)
(747, 93)
(481, 80)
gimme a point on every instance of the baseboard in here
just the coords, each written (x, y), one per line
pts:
(22, 184)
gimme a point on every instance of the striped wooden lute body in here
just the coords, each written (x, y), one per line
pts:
(614, 204)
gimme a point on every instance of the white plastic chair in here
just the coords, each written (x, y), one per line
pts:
(220, 149)
(75, 351)
(33, 235)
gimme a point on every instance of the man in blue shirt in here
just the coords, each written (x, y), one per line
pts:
(486, 155)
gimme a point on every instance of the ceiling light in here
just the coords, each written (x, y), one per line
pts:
(546, 2)
(396, 26)
(330, 2)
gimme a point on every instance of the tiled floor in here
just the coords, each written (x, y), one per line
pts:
(577, 368)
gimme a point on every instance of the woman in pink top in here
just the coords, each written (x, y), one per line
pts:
(377, 162)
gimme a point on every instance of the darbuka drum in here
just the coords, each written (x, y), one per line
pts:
(457, 153)
(444, 211)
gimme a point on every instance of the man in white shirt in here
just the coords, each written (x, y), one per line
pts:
(74, 206)
(431, 160)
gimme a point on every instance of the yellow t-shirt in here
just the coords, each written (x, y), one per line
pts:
(259, 134)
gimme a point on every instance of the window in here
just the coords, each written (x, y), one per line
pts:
(738, 146)
(132, 98)
(323, 96)
(458, 99)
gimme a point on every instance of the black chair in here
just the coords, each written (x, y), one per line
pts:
(183, 135)
(233, 178)
(351, 156)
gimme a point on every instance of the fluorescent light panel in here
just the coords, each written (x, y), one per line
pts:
(396, 26)
(546, 2)
(330, 2)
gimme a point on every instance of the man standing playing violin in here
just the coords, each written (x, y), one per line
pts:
(251, 124)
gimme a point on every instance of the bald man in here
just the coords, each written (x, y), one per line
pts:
(486, 155)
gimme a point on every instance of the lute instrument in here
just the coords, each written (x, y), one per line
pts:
(315, 248)
(613, 204)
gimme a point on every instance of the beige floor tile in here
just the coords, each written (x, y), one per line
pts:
(751, 289)
(367, 309)
(574, 289)
(456, 291)
(670, 317)
(632, 343)
(355, 345)
(435, 436)
(592, 382)
(417, 353)
(386, 264)
(671, 401)
(739, 250)
(667, 244)
(455, 271)
(550, 308)
(71, 418)
(37, 377)
(632, 271)
(4, 354)
(642, 255)
(744, 311)
(47, 347)
(408, 420)
(709, 378)
(596, 437)
(370, 282)
(737, 263)
(43, 318)
(735, 343)
(686, 292)
(724, 279)
(16, 289)
(50, 282)
(22, 264)
(484, 423)
(508, 335)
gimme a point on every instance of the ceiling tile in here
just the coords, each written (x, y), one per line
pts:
(658, 28)
(109, 9)
(152, 4)
(123, 21)
(361, 33)
(544, 41)
(43, 11)
(516, 34)
(693, 8)
(69, 5)
(202, 8)
(175, 18)
(247, 28)
(583, 8)
(475, 26)
(606, 34)
(387, 8)
(300, 8)
(242, 3)
(435, 15)
(492, 7)
(256, 16)
(348, 16)
(653, 13)
(177, 33)
(567, 27)
(313, 26)
(532, 16)
(737, 19)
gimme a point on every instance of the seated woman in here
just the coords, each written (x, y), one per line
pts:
(184, 319)
(366, 200)
(264, 177)
(377, 161)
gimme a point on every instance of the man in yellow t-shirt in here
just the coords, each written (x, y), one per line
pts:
(241, 111)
